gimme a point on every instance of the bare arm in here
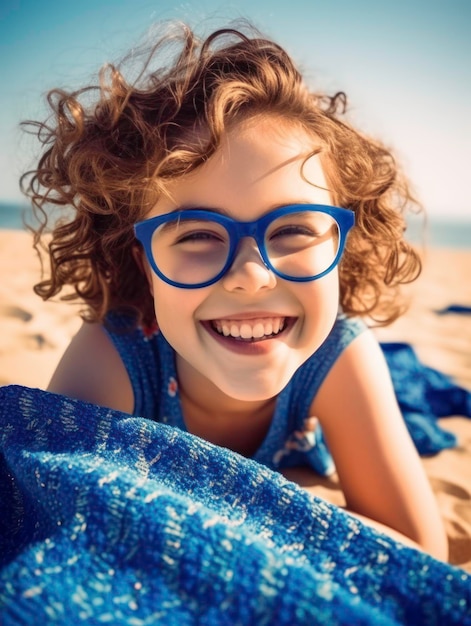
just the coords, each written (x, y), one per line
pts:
(92, 370)
(378, 466)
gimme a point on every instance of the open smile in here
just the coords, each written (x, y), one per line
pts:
(250, 330)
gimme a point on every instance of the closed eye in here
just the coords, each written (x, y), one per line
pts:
(292, 230)
(200, 235)
(191, 231)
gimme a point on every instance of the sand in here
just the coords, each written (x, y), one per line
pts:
(34, 334)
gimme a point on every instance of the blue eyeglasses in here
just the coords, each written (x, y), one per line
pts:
(194, 248)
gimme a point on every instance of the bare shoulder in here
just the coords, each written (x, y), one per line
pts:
(357, 407)
(360, 373)
(92, 370)
(379, 469)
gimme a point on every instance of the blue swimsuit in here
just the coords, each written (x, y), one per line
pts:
(150, 363)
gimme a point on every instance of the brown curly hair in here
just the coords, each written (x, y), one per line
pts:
(109, 150)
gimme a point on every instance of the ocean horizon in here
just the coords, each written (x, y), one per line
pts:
(443, 232)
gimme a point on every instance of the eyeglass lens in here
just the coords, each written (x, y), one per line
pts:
(298, 245)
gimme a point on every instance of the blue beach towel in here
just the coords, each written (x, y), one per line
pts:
(424, 394)
(112, 519)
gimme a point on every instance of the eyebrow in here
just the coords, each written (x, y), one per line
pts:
(222, 211)
(198, 207)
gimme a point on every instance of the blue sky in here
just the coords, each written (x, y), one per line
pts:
(405, 66)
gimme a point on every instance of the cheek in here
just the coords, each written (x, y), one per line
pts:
(174, 307)
(321, 304)
(166, 302)
(324, 294)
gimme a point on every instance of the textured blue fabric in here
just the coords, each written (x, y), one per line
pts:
(108, 518)
(424, 394)
(150, 363)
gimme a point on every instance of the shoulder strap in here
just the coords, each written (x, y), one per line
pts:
(140, 355)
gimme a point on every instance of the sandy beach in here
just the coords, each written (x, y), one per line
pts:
(34, 334)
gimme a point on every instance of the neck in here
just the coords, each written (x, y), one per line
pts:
(212, 415)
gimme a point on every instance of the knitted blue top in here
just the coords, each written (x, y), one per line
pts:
(150, 362)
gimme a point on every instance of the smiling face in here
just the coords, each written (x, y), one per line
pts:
(246, 335)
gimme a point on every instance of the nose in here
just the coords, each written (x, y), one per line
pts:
(248, 271)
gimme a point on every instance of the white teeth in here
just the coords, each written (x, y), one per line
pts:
(235, 332)
(246, 331)
(258, 330)
(253, 329)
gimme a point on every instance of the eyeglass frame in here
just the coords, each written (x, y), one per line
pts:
(237, 230)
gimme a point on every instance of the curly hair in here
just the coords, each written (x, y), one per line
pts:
(109, 150)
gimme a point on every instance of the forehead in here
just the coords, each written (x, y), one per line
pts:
(259, 148)
(259, 161)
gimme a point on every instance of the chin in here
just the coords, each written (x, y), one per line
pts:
(254, 390)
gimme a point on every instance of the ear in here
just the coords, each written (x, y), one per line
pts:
(141, 261)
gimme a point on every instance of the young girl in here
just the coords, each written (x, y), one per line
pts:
(229, 231)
